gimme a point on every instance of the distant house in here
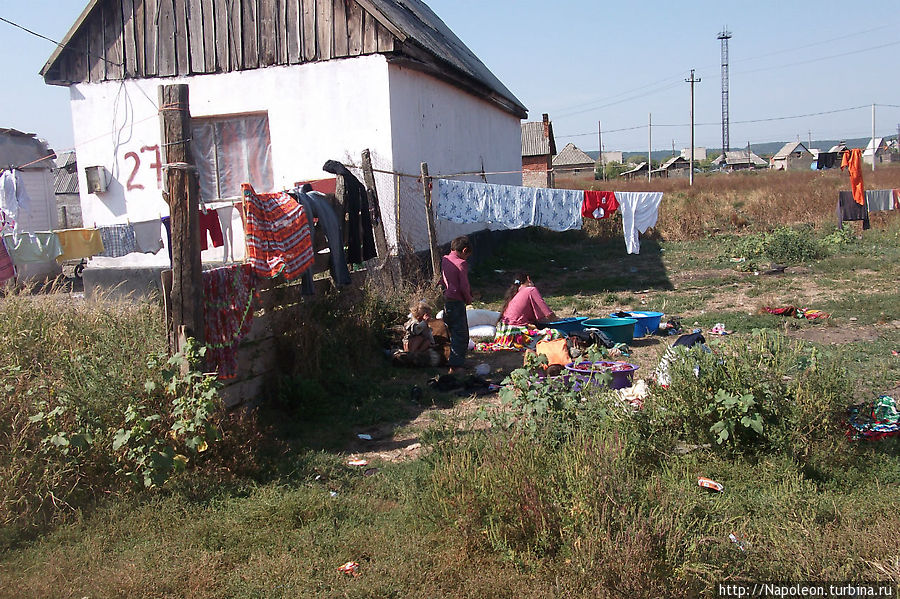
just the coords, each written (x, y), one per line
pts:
(32, 161)
(794, 156)
(676, 166)
(613, 157)
(739, 160)
(538, 148)
(879, 148)
(840, 147)
(572, 161)
(699, 154)
(65, 186)
(639, 171)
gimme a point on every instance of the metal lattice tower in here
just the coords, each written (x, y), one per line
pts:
(725, 35)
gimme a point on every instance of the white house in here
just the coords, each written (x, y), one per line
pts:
(276, 89)
(877, 147)
(32, 162)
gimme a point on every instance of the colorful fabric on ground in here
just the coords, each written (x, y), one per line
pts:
(148, 237)
(809, 314)
(873, 421)
(227, 299)
(118, 240)
(7, 270)
(277, 232)
(517, 338)
(852, 159)
(32, 248)
(79, 243)
(599, 204)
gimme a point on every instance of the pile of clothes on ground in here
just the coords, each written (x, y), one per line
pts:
(874, 421)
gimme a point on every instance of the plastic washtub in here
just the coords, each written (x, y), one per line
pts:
(567, 325)
(647, 322)
(620, 330)
(587, 373)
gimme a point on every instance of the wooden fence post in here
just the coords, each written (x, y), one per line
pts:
(432, 233)
(183, 195)
(386, 265)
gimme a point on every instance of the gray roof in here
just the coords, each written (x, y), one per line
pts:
(640, 167)
(18, 149)
(534, 142)
(665, 165)
(789, 148)
(572, 156)
(740, 157)
(66, 174)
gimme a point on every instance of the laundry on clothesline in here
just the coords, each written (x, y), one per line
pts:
(880, 199)
(599, 204)
(359, 236)
(32, 248)
(227, 301)
(277, 233)
(148, 236)
(13, 196)
(849, 210)
(640, 211)
(118, 240)
(852, 161)
(7, 270)
(79, 243)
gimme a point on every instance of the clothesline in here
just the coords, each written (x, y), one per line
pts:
(454, 175)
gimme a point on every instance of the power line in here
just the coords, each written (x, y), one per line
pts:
(58, 44)
(821, 58)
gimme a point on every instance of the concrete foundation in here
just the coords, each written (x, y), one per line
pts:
(133, 282)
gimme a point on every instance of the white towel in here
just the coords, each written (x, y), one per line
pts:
(639, 210)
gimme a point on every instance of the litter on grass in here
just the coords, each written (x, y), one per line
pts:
(708, 483)
(350, 569)
(358, 463)
(365, 437)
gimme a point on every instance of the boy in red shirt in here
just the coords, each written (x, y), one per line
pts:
(457, 293)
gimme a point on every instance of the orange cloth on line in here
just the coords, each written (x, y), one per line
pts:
(852, 159)
(557, 351)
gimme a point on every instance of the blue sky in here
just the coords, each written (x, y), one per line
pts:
(584, 62)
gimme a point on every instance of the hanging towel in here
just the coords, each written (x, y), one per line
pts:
(31, 248)
(147, 237)
(599, 204)
(225, 214)
(227, 299)
(7, 270)
(880, 199)
(360, 236)
(79, 243)
(167, 223)
(118, 240)
(639, 212)
(209, 223)
(278, 236)
(852, 159)
(848, 209)
(13, 196)
(560, 209)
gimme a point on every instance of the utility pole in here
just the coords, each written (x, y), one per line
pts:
(600, 142)
(692, 81)
(649, 144)
(873, 138)
(724, 36)
(809, 138)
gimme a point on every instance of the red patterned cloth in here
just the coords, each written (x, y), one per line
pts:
(599, 204)
(277, 231)
(227, 300)
(7, 270)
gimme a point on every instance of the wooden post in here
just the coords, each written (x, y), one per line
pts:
(386, 262)
(183, 195)
(432, 233)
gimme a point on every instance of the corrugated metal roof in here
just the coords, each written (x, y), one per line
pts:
(572, 156)
(65, 177)
(534, 142)
(740, 157)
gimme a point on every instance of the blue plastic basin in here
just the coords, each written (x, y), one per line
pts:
(568, 325)
(620, 330)
(647, 322)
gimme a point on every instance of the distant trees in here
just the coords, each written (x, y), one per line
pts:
(612, 170)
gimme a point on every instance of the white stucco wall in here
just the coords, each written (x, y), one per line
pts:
(454, 132)
(317, 112)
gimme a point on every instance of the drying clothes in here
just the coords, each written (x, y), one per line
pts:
(599, 204)
(227, 299)
(510, 206)
(639, 212)
(79, 243)
(147, 237)
(7, 270)
(118, 240)
(896, 196)
(360, 236)
(32, 248)
(852, 159)
(278, 236)
(13, 196)
(209, 223)
(318, 207)
(225, 214)
(880, 199)
(826, 160)
(167, 223)
(848, 209)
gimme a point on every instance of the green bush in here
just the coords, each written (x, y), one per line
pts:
(786, 245)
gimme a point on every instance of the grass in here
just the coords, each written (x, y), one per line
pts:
(595, 502)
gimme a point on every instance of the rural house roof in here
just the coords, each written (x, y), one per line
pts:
(680, 160)
(572, 156)
(733, 158)
(534, 140)
(789, 148)
(114, 39)
(640, 167)
(66, 175)
(877, 142)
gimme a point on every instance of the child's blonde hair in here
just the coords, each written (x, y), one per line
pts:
(419, 309)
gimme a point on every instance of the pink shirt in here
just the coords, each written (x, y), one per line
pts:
(527, 307)
(455, 273)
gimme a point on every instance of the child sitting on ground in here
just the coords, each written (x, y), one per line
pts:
(418, 339)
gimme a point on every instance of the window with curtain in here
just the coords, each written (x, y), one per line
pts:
(231, 150)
